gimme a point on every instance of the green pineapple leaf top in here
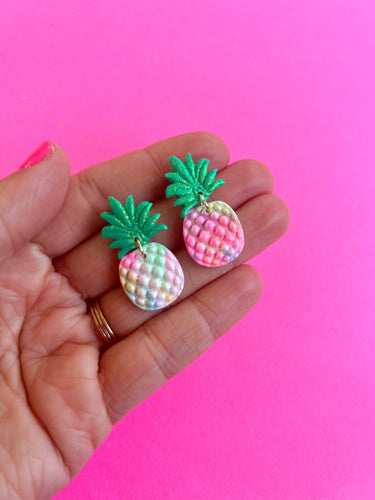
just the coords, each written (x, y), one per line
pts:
(189, 181)
(127, 223)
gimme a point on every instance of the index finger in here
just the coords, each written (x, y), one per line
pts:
(140, 173)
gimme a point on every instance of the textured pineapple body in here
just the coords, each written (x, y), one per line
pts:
(153, 282)
(214, 239)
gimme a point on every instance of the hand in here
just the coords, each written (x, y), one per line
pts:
(61, 390)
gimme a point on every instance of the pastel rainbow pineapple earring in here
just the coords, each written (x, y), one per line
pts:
(150, 274)
(212, 231)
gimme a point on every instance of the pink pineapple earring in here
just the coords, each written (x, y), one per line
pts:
(212, 231)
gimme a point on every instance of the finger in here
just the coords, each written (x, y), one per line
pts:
(30, 198)
(136, 367)
(264, 219)
(140, 173)
(244, 179)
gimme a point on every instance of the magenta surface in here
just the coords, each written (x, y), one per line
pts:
(283, 407)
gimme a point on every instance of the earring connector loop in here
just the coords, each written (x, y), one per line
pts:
(137, 240)
(204, 202)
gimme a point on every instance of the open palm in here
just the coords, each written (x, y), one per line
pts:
(61, 388)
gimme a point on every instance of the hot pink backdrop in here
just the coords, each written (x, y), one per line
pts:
(283, 407)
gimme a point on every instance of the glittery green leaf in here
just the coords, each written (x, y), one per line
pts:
(120, 244)
(189, 181)
(144, 214)
(202, 169)
(209, 179)
(217, 183)
(126, 223)
(129, 207)
(112, 219)
(151, 221)
(115, 232)
(184, 200)
(190, 165)
(179, 167)
(177, 190)
(173, 177)
(140, 208)
(118, 210)
(156, 229)
(117, 243)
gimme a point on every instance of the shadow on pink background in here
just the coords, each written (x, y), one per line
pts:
(283, 407)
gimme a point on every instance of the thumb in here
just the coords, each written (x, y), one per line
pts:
(31, 197)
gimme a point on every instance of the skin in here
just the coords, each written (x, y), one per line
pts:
(61, 387)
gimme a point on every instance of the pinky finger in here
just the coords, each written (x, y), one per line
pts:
(138, 365)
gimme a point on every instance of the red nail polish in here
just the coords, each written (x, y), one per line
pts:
(45, 149)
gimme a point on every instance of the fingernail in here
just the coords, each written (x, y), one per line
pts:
(44, 150)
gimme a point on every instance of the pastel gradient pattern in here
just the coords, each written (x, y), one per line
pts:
(154, 281)
(213, 239)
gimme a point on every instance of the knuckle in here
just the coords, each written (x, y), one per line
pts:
(160, 354)
(256, 170)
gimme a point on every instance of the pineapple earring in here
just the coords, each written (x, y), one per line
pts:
(212, 231)
(150, 274)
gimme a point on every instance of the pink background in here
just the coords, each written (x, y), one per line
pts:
(283, 407)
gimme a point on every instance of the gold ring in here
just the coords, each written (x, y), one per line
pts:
(101, 323)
